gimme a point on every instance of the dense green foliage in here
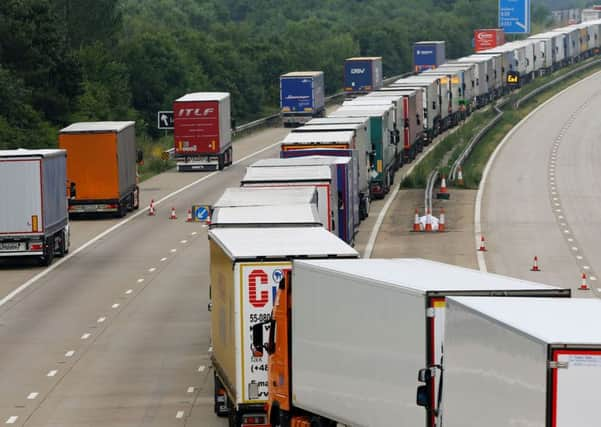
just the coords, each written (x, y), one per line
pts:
(70, 60)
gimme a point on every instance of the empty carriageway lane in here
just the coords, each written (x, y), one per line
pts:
(541, 196)
(13, 274)
(119, 333)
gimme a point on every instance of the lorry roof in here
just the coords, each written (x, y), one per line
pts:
(340, 136)
(97, 127)
(22, 152)
(281, 214)
(550, 320)
(303, 74)
(250, 196)
(369, 108)
(203, 96)
(310, 127)
(364, 58)
(337, 120)
(315, 160)
(475, 58)
(285, 174)
(279, 243)
(421, 276)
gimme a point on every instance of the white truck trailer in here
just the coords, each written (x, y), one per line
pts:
(359, 333)
(266, 216)
(246, 267)
(522, 362)
(249, 196)
(34, 217)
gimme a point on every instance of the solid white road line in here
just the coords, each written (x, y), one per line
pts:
(70, 353)
(108, 231)
(32, 396)
(12, 420)
(52, 373)
(491, 160)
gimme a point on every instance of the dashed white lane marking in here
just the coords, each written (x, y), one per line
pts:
(180, 414)
(194, 233)
(108, 231)
(183, 242)
(70, 353)
(190, 389)
(593, 278)
(116, 305)
(570, 240)
(574, 248)
(163, 259)
(152, 270)
(202, 368)
(129, 291)
(579, 257)
(52, 373)
(173, 250)
(101, 319)
(140, 280)
(85, 336)
(12, 420)
(32, 396)
(586, 267)
(566, 231)
(210, 349)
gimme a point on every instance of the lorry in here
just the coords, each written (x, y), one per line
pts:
(428, 54)
(522, 361)
(302, 97)
(202, 131)
(488, 38)
(466, 73)
(294, 215)
(452, 81)
(246, 267)
(248, 196)
(552, 49)
(412, 119)
(34, 218)
(350, 336)
(320, 178)
(485, 79)
(362, 75)
(383, 150)
(345, 171)
(102, 173)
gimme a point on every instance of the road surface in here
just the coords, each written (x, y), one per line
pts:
(542, 195)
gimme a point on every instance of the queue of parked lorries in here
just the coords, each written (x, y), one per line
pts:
(306, 334)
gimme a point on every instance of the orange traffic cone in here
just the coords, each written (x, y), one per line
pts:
(482, 245)
(443, 185)
(416, 224)
(151, 210)
(584, 285)
(535, 265)
(441, 221)
(428, 221)
(189, 217)
(460, 176)
(173, 214)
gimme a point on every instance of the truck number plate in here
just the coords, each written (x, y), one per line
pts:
(12, 246)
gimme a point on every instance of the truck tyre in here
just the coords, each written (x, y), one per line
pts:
(48, 256)
(221, 161)
(63, 244)
(131, 202)
(229, 157)
(136, 197)
(121, 209)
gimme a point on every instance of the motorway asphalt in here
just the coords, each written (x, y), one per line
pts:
(118, 334)
(542, 196)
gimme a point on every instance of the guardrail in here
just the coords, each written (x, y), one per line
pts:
(480, 135)
(265, 121)
(432, 178)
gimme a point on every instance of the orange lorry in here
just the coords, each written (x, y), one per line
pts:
(101, 167)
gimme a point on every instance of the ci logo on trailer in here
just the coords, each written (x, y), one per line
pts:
(513, 78)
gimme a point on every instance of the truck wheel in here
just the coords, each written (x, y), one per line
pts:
(136, 197)
(131, 202)
(230, 156)
(63, 244)
(48, 256)
(122, 209)
(221, 161)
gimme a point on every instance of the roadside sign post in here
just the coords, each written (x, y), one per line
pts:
(165, 120)
(515, 16)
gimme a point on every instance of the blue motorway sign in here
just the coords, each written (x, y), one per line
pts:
(201, 213)
(514, 16)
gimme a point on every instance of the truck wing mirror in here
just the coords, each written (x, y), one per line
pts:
(257, 331)
(424, 375)
(423, 397)
(72, 190)
(139, 156)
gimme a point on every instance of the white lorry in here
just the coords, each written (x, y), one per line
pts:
(246, 267)
(522, 362)
(34, 217)
(359, 332)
